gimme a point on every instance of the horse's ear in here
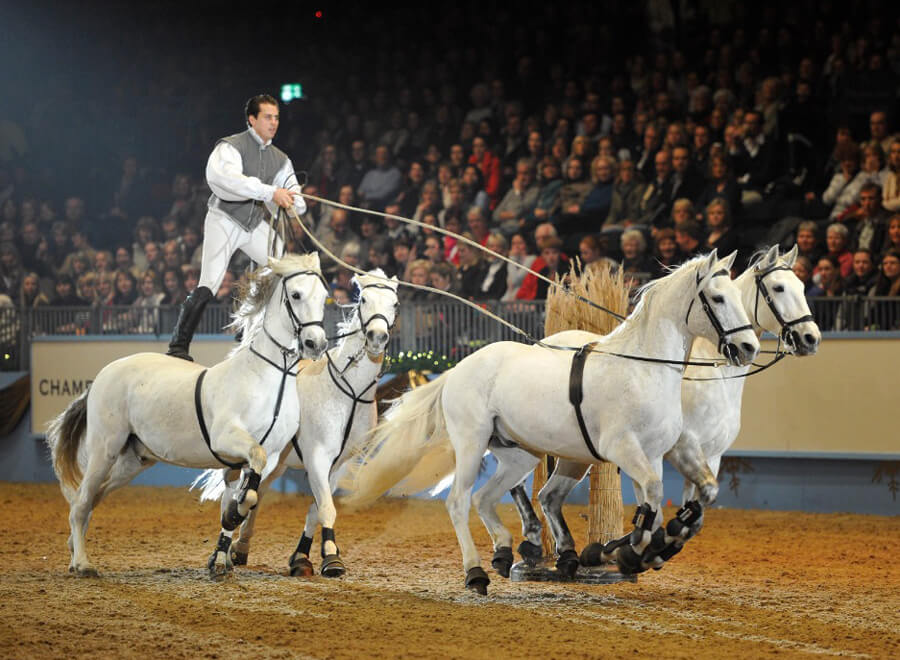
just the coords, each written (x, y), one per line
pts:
(706, 268)
(769, 259)
(791, 257)
(355, 290)
(727, 263)
(315, 257)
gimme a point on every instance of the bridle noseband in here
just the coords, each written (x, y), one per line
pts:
(789, 336)
(723, 345)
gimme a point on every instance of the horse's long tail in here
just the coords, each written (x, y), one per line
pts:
(211, 483)
(64, 436)
(411, 439)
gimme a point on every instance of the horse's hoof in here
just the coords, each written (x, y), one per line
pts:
(87, 572)
(332, 566)
(239, 558)
(567, 564)
(628, 561)
(503, 560)
(530, 552)
(231, 517)
(301, 567)
(592, 555)
(219, 565)
(477, 580)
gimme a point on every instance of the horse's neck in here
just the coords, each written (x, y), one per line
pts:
(658, 330)
(276, 325)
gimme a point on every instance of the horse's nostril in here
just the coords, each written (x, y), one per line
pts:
(810, 339)
(748, 347)
(309, 343)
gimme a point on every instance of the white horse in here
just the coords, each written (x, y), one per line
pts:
(337, 397)
(520, 395)
(773, 298)
(150, 407)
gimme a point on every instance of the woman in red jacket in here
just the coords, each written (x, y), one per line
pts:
(489, 165)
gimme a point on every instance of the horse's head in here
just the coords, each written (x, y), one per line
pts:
(377, 312)
(720, 315)
(780, 305)
(304, 291)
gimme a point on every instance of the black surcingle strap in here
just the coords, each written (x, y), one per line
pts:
(576, 394)
(198, 406)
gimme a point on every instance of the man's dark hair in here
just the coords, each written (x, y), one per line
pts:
(690, 227)
(251, 109)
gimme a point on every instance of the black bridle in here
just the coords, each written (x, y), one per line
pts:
(724, 346)
(339, 378)
(296, 323)
(788, 335)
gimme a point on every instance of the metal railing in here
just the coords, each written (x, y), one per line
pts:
(448, 329)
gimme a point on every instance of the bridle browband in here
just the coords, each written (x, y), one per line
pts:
(723, 345)
(789, 336)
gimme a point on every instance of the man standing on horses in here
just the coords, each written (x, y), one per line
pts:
(248, 175)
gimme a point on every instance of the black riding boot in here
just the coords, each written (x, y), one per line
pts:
(188, 318)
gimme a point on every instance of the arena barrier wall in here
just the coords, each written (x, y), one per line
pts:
(817, 432)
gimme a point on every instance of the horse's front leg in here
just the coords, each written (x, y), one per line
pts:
(647, 535)
(318, 469)
(688, 458)
(233, 440)
(240, 550)
(553, 495)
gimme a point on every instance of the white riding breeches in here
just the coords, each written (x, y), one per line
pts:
(222, 237)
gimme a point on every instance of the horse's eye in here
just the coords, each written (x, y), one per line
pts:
(779, 289)
(718, 299)
(295, 296)
(362, 301)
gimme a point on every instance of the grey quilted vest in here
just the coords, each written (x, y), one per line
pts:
(257, 160)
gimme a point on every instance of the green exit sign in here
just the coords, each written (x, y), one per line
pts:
(291, 91)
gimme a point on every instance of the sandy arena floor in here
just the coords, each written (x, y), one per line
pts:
(753, 584)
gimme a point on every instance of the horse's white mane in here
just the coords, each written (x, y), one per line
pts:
(648, 292)
(254, 295)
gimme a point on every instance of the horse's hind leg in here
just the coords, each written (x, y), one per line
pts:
(531, 549)
(469, 439)
(553, 495)
(98, 467)
(512, 466)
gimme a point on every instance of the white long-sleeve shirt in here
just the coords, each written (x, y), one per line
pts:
(226, 178)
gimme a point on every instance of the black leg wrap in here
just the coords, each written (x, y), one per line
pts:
(253, 479)
(503, 560)
(671, 550)
(629, 561)
(477, 580)
(592, 555)
(530, 552)
(644, 517)
(656, 546)
(567, 563)
(613, 546)
(299, 563)
(230, 517)
(328, 535)
(684, 519)
(223, 545)
(305, 545)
